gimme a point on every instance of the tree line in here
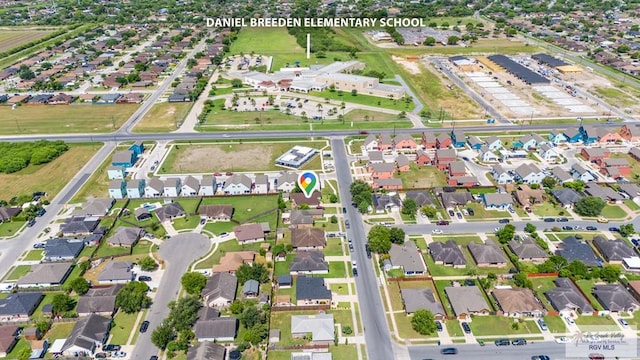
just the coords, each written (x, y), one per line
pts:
(15, 156)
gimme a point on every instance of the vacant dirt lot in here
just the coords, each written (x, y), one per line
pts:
(232, 157)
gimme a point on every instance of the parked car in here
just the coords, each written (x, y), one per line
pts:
(31, 222)
(442, 222)
(346, 224)
(563, 219)
(528, 210)
(503, 221)
(549, 220)
(438, 326)
(449, 351)
(119, 354)
(519, 342)
(595, 356)
(602, 220)
(436, 231)
(229, 173)
(451, 213)
(466, 327)
(101, 355)
(351, 247)
(614, 229)
(511, 210)
(623, 322)
(355, 272)
(569, 320)
(111, 347)
(540, 357)
(591, 228)
(368, 250)
(471, 212)
(344, 210)
(41, 212)
(203, 221)
(543, 325)
(502, 342)
(153, 357)
(567, 227)
(577, 227)
(144, 278)
(144, 326)
(563, 340)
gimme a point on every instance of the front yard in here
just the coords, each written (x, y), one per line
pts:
(547, 209)
(123, 325)
(501, 325)
(614, 212)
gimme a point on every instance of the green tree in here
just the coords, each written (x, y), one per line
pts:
(610, 273)
(236, 307)
(409, 207)
(62, 303)
(423, 322)
(347, 330)
(24, 353)
(361, 193)
(133, 297)
(548, 182)
(256, 272)
(379, 239)
(256, 334)
(506, 233)
(162, 335)
(627, 229)
(80, 286)
(333, 198)
(521, 280)
(452, 40)
(530, 228)
(577, 270)
(554, 263)
(396, 235)
(429, 210)
(193, 282)
(251, 317)
(589, 206)
(429, 41)
(184, 312)
(148, 264)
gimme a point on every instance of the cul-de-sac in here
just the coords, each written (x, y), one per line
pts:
(467, 188)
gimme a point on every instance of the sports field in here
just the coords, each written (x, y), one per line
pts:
(56, 119)
(10, 38)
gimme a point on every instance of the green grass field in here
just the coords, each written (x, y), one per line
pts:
(11, 38)
(423, 177)
(97, 184)
(615, 96)
(123, 325)
(8, 229)
(246, 207)
(482, 46)
(51, 177)
(163, 117)
(500, 325)
(264, 41)
(613, 212)
(363, 99)
(540, 285)
(50, 119)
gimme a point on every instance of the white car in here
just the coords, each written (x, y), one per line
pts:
(353, 263)
(436, 231)
(563, 340)
(569, 321)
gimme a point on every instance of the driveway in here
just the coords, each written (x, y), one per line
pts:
(177, 252)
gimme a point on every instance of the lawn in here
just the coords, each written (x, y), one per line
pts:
(282, 320)
(340, 289)
(460, 240)
(615, 96)
(282, 267)
(423, 177)
(368, 100)
(586, 286)
(342, 317)
(337, 269)
(234, 157)
(105, 250)
(555, 324)
(264, 41)
(34, 255)
(18, 348)
(246, 208)
(152, 225)
(480, 213)
(453, 328)
(18, 272)
(405, 330)
(123, 325)
(60, 331)
(75, 273)
(219, 227)
(225, 247)
(334, 247)
(500, 325)
(11, 38)
(280, 354)
(163, 117)
(613, 212)
(546, 209)
(440, 286)
(97, 184)
(51, 177)
(596, 321)
(632, 205)
(25, 120)
(186, 223)
(441, 270)
(47, 299)
(344, 351)
(10, 228)
(540, 285)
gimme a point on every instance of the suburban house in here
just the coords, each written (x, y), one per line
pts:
(557, 137)
(136, 188)
(385, 142)
(497, 201)
(466, 301)
(443, 141)
(79, 225)
(170, 211)
(500, 175)
(320, 326)
(19, 306)
(303, 218)
(208, 186)
(615, 167)
(561, 175)
(249, 233)
(87, 335)
(456, 168)
(137, 147)
(308, 262)
(458, 198)
(578, 172)
(458, 139)
(416, 299)
(487, 254)
(124, 158)
(615, 298)
(45, 275)
(62, 249)
(630, 133)
(404, 142)
(567, 299)
(518, 302)
(493, 143)
(573, 135)
(632, 190)
(408, 258)
(382, 170)
(604, 192)
(216, 329)
(595, 154)
(312, 291)
(125, 236)
(299, 199)
(206, 350)
(548, 153)
(7, 213)
(375, 157)
(216, 212)
(286, 182)
(261, 185)
(142, 214)
(117, 189)
(116, 172)
(447, 254)
(528, 174)
(528, 250)
(307, 239)
(172, 187)
(530, 142)
(402, 163)
(428, 140)
(387, 184)
(574, 249)
(231, 261)
(443, 157)
(117, 272)
(613, 251)
(527, 196)
(421, 197)
(190, 186)
(383, 202)
(567, 197)
(589, 134)
(608, 136)
(487, 155)
(98, 300)
(8, 339)
(220, 290)
(475, 142)
(237, 184)
(154, 188)
(371, 143)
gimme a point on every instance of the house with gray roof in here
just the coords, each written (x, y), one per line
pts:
(416, 299)
(567, 197)
(220, 290)
(208, 186)
(286, 182)
(528, 250)
(171, 211)
(125, 236)
(312, 291)
(579, 172)
(487, 254)
(308, 262)
(95, 207)
(451, 199)
(19, 306)
(384, 202)
(237, 184)
(142, 214)
(304, 218)
(497, 201)
(567, 299)
(474, 142)
(408, 258)
(321, 327)
(248, 233)
(172, 187)
(99, 300)
(261, 184)
(574, 249)
(190, 186)
(466, 301)
(614, 251)
(62, 249)
(206, 350)
(561, 175)
(518, 302)
(117, 272)
(375, 157)
(528, 174)
(45, 275)
(631, 189)
(604, 192)
(615, 298)
(217, 329)
(154, 188)
(447, 254)
(87, 335)
(421, 197)
(251, 288)
(216, 212)
(79, 225)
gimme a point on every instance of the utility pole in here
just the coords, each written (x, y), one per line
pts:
(17, 125)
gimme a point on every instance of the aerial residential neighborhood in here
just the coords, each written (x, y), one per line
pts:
(464, 182)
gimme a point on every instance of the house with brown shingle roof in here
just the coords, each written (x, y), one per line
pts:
(231, 261)
(216, 212)
(309, 238)
(247, 233)
(525, 195)
(518, 302)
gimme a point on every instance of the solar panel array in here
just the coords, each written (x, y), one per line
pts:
(527, 76)
(548, 60)
(457, 58)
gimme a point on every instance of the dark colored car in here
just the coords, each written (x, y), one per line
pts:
(368, 250)
(144, 326)
(614, 229)
(563, 219)
(355, 272)
(438, 326)
(459, 215)
(567, 227)
(449, 351)
(351, 247)
(540, 357)
(111, 347)
(344, 210)
(31, 222)
(229, 173)
(549, 220)
(470, 211)
(42, 212)
(466, 327)
(153, 358)
(451, 213)
(503, 221)
(144, 278)
(101, 355)
(442, 222)
(203, 221)
(235, 355)
(346, 224)
(596, 357)
(519, 342)
(591, 228)
(502, 342)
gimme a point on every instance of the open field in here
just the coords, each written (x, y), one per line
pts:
(163, 117)
(368, 100)
(482, 46)
(51, 177)
(422, 177)
(11, 38)
(236, 157)
(264, 41)
(8, 229)
(96, 185)
(46, 119)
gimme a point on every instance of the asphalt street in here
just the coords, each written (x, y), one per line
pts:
(178, 253)
(376, 329)
(492, 352)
